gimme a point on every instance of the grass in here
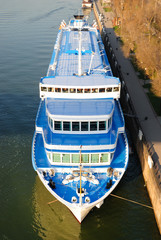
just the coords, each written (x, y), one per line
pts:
(107, 9)
(147, 85)
(156, 102)
(141, 71)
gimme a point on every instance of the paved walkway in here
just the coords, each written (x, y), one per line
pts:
(151, 127)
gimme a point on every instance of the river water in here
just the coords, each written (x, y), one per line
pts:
(28, 31)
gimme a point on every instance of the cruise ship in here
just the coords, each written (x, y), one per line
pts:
(80, 149)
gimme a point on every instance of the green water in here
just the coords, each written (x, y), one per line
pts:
(28, 31)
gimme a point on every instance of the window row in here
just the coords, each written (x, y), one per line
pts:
(80, 126)
(75, 158)
(79, 90)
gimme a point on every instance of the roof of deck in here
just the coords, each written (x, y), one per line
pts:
(91, 80)
(76, 107)
(68, 53)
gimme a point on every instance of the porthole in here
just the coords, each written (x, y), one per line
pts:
(87, 200)
(74, 199)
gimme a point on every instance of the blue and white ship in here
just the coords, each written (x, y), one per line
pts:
(80, 150)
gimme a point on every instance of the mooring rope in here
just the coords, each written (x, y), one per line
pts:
(116, 196)
(141, 204)
(53, 201)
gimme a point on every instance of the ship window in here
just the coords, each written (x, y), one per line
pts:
(109, 122)
(51, 123)
(65, 158)
(94, 158)
(57, 89)
(93, 126)
(109, 89)
(85, 158)
(57, 125)
(49, 155)
(75, 158)
(50, 89)
(105, 157)
(75, 126)
(102, 125)
(44, 89)
(94, 90)
(66, 126)
(84, 126)
(72, 90)
(112, 155)
(65, 90)
(115, 89)
(56, 157)
(101, 90)
(79, 90)
(87, 90)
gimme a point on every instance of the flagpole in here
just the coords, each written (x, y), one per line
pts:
(80, 161)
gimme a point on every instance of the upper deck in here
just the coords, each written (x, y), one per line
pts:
(79, 65)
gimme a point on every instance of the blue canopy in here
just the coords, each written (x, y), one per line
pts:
(83, 107)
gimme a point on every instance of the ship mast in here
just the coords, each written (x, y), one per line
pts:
(80, 193)
(80, 54)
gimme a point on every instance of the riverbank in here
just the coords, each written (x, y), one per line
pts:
(139, 114)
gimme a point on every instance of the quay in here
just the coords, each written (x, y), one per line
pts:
(139, 113)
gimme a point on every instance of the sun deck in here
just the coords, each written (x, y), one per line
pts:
(65, 60)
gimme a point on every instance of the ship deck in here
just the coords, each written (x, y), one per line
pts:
(67, 61)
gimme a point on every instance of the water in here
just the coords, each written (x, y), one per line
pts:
(28, 31)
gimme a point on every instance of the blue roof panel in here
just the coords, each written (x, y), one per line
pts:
(74, 107)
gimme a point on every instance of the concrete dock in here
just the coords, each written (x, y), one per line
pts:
(147, 128)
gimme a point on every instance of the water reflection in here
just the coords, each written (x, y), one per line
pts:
(52, 221)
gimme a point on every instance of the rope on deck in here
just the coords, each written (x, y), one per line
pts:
(141, 204)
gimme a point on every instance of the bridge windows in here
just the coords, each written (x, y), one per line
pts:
(56, 157)
(80, 126)
(94, 158)
(84, 126)
(75, 126)
(66, 126)
(75, 158)
(102, 125)
(66, 158)
(58, 125)
(86, 158)
(93, 126)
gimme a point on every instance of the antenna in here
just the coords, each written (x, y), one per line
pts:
(80, 55)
